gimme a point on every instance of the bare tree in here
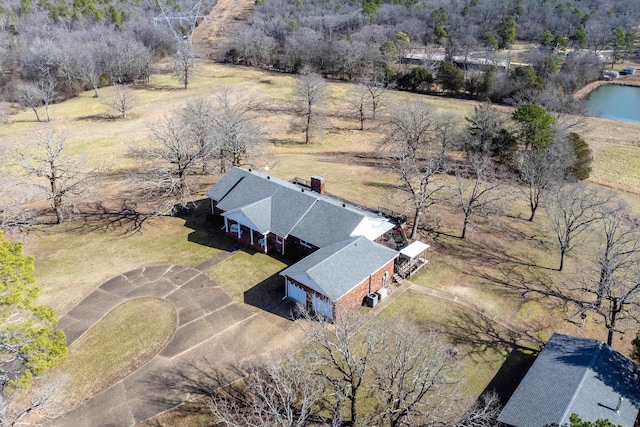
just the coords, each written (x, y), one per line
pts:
(411, 129)
(121, 100)
(236, 134)
(416, 378)
(617, 280)
(539, 169)
(29, 96)
(572, 209)
(36, 404)
(170, 159)
(377, 95)
(47, 89)
(199, 114)
(340, 357)
(278, 393)
(355, 371)
(184, 62)
(484, 413)
(621, 247)
(357, 100)
(311, 92)
(417, 144)
(477, 187)
(65, 176)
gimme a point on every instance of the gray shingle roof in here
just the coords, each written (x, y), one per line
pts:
(336, 269)
(326, 223)
(312, 217)
(575, 375)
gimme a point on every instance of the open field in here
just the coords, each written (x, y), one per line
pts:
(73, 259)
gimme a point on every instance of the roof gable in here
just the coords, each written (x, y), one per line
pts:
(256, 215)
(288, 207)
(336, 269)
(575, 375)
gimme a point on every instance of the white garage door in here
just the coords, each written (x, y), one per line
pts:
(296, 293)
(323, 307)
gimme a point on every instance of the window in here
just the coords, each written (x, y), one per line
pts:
(279, 240)
(305, 244)
(385, 278)
(262, 242)
(235, 228)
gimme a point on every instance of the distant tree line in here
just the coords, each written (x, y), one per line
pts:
(52, 50)
(349, 40)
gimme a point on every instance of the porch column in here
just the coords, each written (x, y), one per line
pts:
(251, 234)
(212, 209)
(264, 236)
(226, 225)
(283, 239)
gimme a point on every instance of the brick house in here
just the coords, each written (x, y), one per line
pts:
(338, 277)
(303, 222)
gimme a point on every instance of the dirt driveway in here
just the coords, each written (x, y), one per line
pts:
(211, 37)
(213, 334)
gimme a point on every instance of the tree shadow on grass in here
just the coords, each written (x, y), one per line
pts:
(124, 218)
(530, 283)
(480, 333)
(207, 229)
(200, 378)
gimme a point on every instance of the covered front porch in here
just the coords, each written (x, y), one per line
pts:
(246, 235)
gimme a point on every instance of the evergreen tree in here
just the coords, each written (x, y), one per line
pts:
(30, 344)
(584, 157)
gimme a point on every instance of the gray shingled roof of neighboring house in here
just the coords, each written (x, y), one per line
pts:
(575, 375)
(336, 269)
(312, 217)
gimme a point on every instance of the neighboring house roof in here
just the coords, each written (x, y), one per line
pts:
(280, 207)
(338, 268)
(575, 375)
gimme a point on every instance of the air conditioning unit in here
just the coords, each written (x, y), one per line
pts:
(382, 293)
(371, 300)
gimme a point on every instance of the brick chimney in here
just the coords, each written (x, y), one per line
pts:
(317, 184)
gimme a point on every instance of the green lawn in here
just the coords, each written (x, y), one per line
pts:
(244, 271)
(125, 339)
(478, 342)
(72, 261)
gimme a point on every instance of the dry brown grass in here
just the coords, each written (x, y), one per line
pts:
(125, 339)
(72, 260)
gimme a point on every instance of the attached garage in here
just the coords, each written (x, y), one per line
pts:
(296, 293)
(322, 306)
(336, 279)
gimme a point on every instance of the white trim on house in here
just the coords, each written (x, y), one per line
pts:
(305, 244)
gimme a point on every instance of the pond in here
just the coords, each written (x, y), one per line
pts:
(615, 102)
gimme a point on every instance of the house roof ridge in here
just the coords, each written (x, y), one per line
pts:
(354, 239)
(585, 374)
